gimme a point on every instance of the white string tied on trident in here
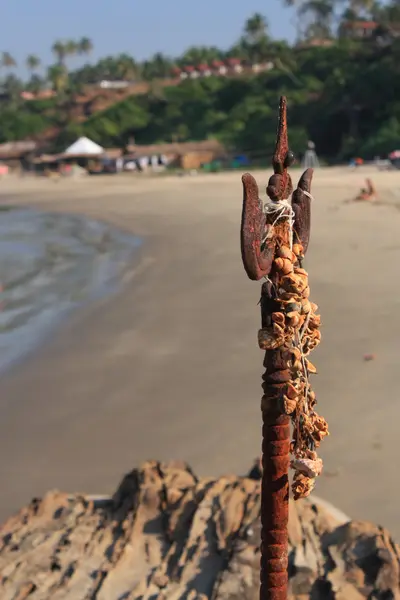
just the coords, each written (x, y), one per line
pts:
(281, 209)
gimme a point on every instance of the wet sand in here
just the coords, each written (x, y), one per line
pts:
(170, 368)
(51, 263)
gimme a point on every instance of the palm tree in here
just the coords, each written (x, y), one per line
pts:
(32, 62)
(58, 76)
(71, 47)
(60, 50)
(125, 67)
(8, 61)
(12, 87)
(200, 54)
(256, 28)
(386, 13)
(161, 65)
(85, 46)
(361, 7)
(35, 84)
(320, 15)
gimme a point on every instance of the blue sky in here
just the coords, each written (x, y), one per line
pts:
(139, 28)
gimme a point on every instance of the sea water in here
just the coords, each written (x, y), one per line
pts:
(51, 263)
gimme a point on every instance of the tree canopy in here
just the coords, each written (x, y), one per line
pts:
(340, 77)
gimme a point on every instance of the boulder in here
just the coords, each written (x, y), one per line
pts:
(167, 534)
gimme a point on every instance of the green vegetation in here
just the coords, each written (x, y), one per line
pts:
(342, 88)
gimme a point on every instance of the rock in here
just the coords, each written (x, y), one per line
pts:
(167, 534)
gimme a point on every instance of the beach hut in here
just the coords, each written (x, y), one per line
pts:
(85, 153)
(84, 147)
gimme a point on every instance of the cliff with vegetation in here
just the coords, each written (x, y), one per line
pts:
(341, 78)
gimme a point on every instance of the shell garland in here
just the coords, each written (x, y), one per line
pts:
(294, 330)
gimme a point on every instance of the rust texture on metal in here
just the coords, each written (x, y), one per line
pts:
(256, 234)
(261, 237)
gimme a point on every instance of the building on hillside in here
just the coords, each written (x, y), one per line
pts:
(177, 72)
(219, 67)
(114, 85)
(231, 66)
(315, 43)
(369, 29)
(260, 67)
(358, 29)
(234, 65)
(41, 95)
(204, 70)
(191, 72)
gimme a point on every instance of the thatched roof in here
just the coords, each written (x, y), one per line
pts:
(52, 158)
(17, 149)
(176, 148)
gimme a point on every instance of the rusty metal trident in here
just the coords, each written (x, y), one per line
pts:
(258, 245)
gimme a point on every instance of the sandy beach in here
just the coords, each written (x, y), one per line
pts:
(170, 367)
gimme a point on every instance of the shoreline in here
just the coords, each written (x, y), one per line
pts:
(54, 264)
(170, 368)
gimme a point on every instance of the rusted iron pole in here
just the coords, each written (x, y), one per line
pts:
(262, 236)
(275, 468)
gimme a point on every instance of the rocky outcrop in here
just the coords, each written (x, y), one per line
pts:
(167, 534)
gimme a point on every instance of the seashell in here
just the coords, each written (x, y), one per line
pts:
(287, 355)
(294, 282)
(315, 321)
(320, 423)
(302, 486)
(287, 296)
(302, 320)
(293, 318)
(296, 352)
(316, 335)
(306, 292)
(298, 249)
(310, 346)
(305, 306)
(278, 318)
(278, 330)
(302, 282)
(310, 367)
(311, 339)
(291, 391)
(283, 265)
(302, 272)
(296, 359)
(311, 454)
(319, 429)
(287, 267)
(288, 405)
(289, 283)
(278, 263)
(314, 307)
(308, 467)
(267, 340)
(285, 252)
(293, 306)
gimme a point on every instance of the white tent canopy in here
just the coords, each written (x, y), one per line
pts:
(83, 147)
